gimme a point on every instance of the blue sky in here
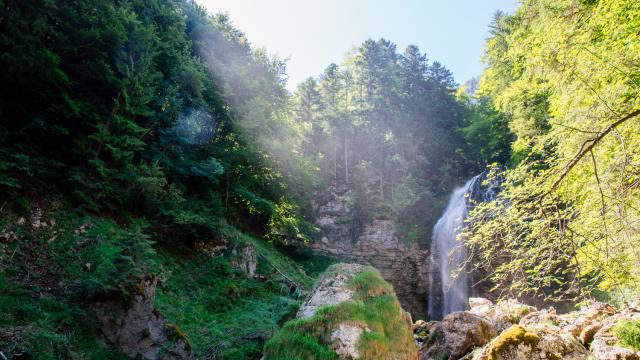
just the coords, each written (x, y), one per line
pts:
(313, 34)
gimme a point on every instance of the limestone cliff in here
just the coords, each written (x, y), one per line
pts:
(375, 243)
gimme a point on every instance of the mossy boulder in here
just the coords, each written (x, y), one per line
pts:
(352, 313)
(536, 342)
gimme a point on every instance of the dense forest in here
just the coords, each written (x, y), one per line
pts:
(149, 139)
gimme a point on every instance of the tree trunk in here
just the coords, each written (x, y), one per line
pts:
(346, 161)
(335, 161)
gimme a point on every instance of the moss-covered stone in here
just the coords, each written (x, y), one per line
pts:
(373, 307)
(510, 338)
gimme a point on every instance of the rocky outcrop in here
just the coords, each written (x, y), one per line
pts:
(456, 335)
(245, 259)
(525, 332)
(139, 330)
(503, 314)
(606, 345)
(375, 243)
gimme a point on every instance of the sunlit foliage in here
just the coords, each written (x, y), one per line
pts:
(565, 73)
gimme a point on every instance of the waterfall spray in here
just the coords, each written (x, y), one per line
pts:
(448, 253)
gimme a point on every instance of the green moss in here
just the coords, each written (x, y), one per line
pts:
(518, 312)
(46, 288)
(510, 338)
(628, 331)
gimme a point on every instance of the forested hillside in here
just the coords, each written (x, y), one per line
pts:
(389, 126)
(136, 138)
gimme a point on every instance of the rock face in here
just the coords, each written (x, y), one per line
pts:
(245, 259)
(405, 266)
(456, 335)
(139, 330)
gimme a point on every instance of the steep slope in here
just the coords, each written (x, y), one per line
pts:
(74, 285)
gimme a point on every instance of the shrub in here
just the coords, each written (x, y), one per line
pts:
(628, 332)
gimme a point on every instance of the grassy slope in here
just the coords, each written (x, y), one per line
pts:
(50, 276)
(219, 309)
(376, 308)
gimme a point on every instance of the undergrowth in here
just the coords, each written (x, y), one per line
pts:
(50, 277)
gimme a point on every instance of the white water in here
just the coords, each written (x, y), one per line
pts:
(448, 253)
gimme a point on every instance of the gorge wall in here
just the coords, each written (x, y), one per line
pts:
(375, 243)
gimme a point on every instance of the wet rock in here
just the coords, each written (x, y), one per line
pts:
(532, 343)
(456, 335)
(139, 330)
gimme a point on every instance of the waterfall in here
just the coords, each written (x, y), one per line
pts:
(447, 254)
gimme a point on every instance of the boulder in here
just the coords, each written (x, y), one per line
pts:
(582, 323)
(456, 335)
(139, 330)
(532, 343)
(361, 303)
